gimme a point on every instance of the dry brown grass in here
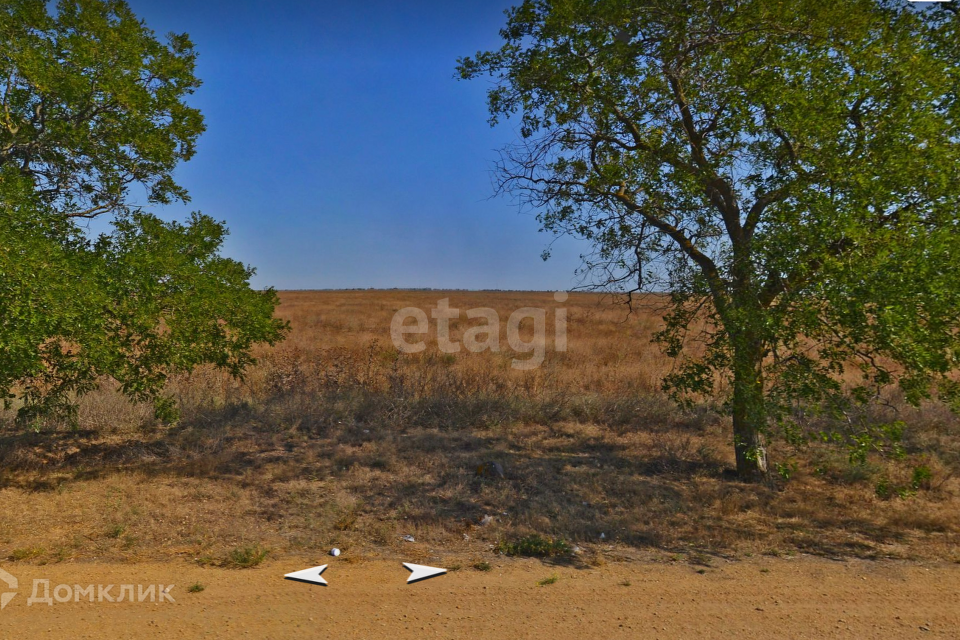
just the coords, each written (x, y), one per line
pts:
(336, 439)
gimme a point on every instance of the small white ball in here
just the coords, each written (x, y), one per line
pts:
(334, 552)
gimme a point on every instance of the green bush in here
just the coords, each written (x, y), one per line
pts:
(247, 556)
(535, 546)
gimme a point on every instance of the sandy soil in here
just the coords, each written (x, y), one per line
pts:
(755, 598)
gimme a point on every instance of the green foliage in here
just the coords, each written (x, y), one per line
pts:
(535, 546)
(196, 587)
(785, 469)
(93, 105)
(884, 439)
(883, 489)
(789, 171)
(886, 489)
(165, 410)
(922, 477)
(920, 480)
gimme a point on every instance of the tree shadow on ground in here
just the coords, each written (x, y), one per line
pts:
(585, 484)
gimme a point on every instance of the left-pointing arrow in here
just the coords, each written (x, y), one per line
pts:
(311, 575)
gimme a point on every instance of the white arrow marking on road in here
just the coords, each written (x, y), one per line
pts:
(12, 583)
(311, 575)
(422, 572)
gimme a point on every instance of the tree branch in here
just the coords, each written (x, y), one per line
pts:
(760, 204)
(717, 189)
(707, 266)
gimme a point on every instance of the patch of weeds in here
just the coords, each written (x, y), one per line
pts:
(246, 556)
(534, 546)
(625, 583)
(381, 533)
(346, 520)
(117, 530)
(455, 567)
(922, 478)
(764, 570)
(701, 571)
(887, 489)
(698, 558)
(26, 553)
(483, 565)
(196, 587)
(883, 489)
(856, 473)
(551, 580)
(206, 560)
(448, 359)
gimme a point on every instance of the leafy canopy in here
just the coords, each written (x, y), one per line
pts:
(788, 171)
(92, 108)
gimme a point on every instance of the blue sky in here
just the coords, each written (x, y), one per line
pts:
(342, 152)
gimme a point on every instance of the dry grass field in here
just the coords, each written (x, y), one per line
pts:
(338, 439)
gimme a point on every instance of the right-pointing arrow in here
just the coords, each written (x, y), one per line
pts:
(422, 572)
(311, 575)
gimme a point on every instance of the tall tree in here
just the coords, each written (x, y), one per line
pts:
(92, 109)
(788, 171)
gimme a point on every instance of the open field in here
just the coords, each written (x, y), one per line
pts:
(337, 439)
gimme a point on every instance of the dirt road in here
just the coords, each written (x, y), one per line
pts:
(755, 598)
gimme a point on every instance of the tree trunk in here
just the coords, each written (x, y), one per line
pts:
(749, 414)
